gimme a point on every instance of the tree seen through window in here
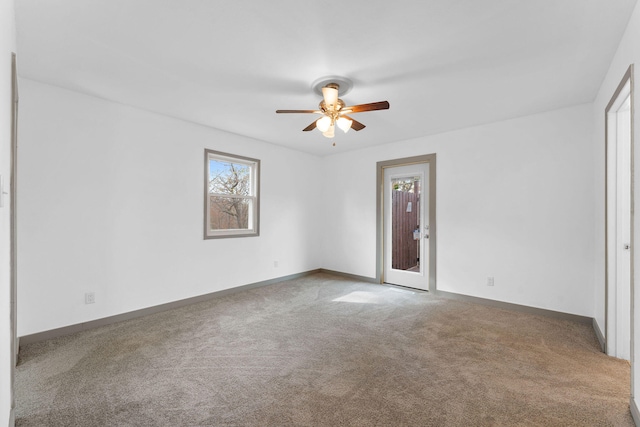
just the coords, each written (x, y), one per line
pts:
(231, 194)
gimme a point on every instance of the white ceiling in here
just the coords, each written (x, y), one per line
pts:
(442, 64)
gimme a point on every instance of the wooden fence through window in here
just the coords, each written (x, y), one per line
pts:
(405, 253)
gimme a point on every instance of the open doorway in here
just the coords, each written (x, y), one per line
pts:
(406, 211)
(619, 220)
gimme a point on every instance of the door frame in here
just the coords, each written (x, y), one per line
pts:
(627, 78)
(14, 344)
(406, 161)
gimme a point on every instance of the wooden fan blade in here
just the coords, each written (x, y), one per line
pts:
(355, 125)
(299, 111)
(312, 126)
(382, 105)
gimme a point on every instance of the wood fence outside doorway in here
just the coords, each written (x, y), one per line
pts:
(405, 254)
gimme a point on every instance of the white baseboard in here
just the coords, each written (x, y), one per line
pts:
(635, 414)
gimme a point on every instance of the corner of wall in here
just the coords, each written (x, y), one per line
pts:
(599, 335)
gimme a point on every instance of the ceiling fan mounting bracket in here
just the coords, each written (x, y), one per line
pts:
(343, 84)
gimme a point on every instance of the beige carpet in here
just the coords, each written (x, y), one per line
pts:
(325, 351)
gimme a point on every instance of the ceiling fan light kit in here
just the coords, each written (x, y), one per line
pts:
(344, 124)
(331, 132)
(323, 123)
(333, 109)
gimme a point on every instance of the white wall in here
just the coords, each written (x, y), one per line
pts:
(111, 201)
(7, 46)
(628, 53)
(514, 201)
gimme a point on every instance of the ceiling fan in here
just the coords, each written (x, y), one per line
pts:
(334, 112)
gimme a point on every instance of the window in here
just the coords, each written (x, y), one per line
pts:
(231, 195)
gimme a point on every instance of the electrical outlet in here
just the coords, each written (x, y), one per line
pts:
(489, 281)
(275, 264)
(89, 298)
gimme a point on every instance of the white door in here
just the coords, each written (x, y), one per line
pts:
(619, 226)
(406, 225)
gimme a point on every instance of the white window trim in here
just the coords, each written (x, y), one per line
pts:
(254, 164)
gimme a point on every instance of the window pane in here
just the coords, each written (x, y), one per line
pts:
(227, 213)
(405, 223)
(231, 195)
(229, 178)
(409, 185)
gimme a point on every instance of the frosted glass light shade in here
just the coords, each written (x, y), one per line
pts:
(323, 123)
(331, 132)
(330, 97)
(344, 124)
